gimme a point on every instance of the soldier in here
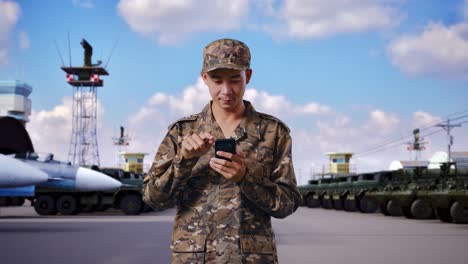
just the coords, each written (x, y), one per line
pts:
(224, 207)
(88, 52)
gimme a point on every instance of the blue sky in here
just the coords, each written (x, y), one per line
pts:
(370, 68)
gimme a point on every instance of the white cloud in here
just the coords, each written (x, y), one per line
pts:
(321, 18)
(383, 122)
(83, 3)
(437, 51)
(9, 15)
(279, 105)
(423, 119)
(170, 21)
(50, 130)
(314, 108)
(24, 42)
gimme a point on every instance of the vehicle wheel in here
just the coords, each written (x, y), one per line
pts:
(17, 201)
(327, 204)
(338, 204)
(67, 205)
(406, 211)
(45, 205)
(5, 201)
(459, 213)
(367, 205)
(311, 202)
(422, 209)
(350, 205)
(383, 209)
(443, 214)
(131, 204)
(394, 209)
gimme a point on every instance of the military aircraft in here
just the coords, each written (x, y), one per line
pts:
(15, 173)
(67, 176)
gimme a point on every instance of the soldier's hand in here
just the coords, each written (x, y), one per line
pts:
(233, 170)
(197, 145)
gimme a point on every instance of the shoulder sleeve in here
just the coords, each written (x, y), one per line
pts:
(275, 119)
(276, 194)
(183, 120)
(169, 172)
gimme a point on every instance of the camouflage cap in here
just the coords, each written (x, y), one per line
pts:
(226, 53)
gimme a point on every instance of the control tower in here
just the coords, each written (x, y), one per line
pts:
(85, 80)
(14, 100)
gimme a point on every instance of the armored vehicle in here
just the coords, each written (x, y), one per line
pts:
(350, 202)
(52, 199)
(129, 198)
(342, 187)
(403, 197)
(459, 199)
(309, 194)
(449, 194)
(391, 181)
(325, 189)
(367, 183)
(317, 193)
(406, 192)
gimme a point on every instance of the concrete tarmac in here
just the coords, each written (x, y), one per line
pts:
(308, 236)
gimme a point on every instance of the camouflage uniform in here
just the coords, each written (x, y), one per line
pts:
(217, 220)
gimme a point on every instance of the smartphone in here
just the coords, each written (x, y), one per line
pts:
(226, 145)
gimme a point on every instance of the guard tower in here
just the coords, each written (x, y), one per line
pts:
(85, 80)
(133, 161)
(339, 162)
(121, 143)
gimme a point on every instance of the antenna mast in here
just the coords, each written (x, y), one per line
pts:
(448, 127)
(85, 81)
(418, 144)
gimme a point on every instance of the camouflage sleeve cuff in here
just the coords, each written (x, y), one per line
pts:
(248, 181)
(180, 161)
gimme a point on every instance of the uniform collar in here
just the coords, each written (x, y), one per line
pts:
(250, 115)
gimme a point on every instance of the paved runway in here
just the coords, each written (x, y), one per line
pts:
(309, 236)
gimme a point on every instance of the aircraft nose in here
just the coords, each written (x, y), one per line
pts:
(90, 180)
(15, 173)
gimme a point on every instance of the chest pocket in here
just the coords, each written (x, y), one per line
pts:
(265, 158)
(195, 192)
(259, 157)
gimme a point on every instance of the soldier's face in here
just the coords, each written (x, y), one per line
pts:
(227, 87)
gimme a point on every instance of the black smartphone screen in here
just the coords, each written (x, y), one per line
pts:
(226, 145)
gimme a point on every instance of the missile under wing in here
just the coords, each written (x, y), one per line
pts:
(70, 177)
(14, 173)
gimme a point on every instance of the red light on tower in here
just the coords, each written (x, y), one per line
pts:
(70, 78)
(94, 78)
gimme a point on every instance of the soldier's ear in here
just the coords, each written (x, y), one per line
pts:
(204, 76)
(248, 75)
